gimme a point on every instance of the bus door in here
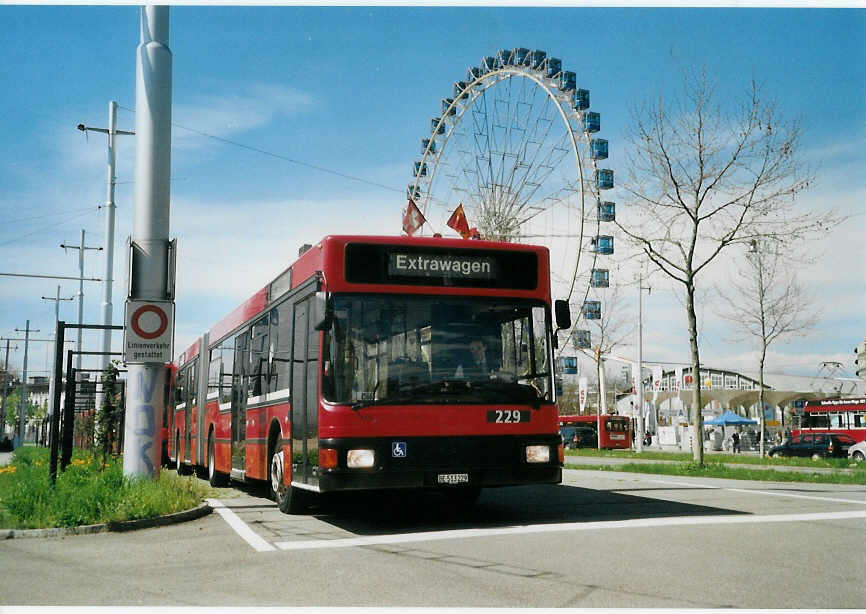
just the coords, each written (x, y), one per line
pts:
(239, 404)
(305, 401)
(191, 409)
(189, 399)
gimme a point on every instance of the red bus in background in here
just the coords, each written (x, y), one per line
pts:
(615, 430)
(846, 416)
(380, 363)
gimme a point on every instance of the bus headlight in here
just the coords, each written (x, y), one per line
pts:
(360, 459)
(537, 454)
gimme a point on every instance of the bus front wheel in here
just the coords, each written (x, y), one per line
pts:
(289, 499)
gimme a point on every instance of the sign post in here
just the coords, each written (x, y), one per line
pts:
(149, 307)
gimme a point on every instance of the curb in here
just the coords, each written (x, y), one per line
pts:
(201, 510)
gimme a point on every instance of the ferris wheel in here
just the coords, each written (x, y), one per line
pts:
(514, 145)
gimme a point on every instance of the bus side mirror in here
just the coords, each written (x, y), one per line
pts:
(563, 314)
(323, 311)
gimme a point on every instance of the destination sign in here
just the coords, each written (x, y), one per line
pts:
(470, 267)
(432, 266)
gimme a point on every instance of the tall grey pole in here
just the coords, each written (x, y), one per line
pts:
(109, 246)
(150, 236)
(639, 436)
(110, 209)
(5, 392)
(52, 379)
(81, 248)
(22, 405)
(80, 302)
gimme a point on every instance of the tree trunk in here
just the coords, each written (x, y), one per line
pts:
(697, 416)
(761, 396)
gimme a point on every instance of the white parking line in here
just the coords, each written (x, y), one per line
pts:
(240, 527)
(759, 492)
(638, 523)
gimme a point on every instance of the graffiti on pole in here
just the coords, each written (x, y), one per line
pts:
(144, 406)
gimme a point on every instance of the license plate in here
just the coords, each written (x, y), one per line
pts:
(507, 416)
(453, 478)
(618, 436)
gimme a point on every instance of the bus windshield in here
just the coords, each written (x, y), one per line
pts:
(406, 349)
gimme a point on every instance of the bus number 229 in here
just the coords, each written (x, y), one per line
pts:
(507, 416)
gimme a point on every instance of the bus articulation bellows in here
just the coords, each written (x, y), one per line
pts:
(380, 363)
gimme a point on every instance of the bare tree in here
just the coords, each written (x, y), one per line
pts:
(701, 179)
(765, 304)
(607, 333)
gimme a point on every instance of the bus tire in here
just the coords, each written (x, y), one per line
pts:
(214, 477)
(858, 456)
(290, 500)
(181, 468)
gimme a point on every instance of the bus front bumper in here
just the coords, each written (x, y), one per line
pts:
(437, 462)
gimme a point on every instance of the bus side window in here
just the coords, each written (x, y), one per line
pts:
(239, 367)
(213, 371)
(280, 349)
(259, 352)
(180, 388)
(191, 386)
(227, 358)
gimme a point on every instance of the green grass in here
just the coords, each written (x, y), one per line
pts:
(85, 493)
(719, 466)
(740, 459)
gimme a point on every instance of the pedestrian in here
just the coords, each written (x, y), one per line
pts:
(735, 439)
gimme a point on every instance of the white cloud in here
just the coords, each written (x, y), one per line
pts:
(227, 114)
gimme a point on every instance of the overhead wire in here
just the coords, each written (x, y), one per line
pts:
(82, 213)
(265, 152)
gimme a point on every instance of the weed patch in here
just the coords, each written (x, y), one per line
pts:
(86, 493)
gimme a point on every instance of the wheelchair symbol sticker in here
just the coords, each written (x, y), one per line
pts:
(398, 449)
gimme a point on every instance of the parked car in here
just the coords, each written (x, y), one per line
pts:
(857, 452)
(815, 445)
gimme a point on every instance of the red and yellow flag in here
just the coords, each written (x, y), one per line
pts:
(458, 222)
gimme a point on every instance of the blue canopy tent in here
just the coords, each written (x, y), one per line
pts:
(729, 418)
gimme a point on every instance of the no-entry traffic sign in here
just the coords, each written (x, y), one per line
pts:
(149, 332)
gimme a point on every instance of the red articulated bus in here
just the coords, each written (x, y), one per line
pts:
(615, 430)
(844, 416)
(380, 363)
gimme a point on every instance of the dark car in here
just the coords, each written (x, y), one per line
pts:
(578, 437)
(815, 445)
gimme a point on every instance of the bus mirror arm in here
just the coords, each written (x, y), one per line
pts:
(323, 314)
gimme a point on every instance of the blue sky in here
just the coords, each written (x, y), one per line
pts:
(352, 90)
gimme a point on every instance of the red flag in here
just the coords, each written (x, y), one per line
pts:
(413, 219)
(458, 222)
